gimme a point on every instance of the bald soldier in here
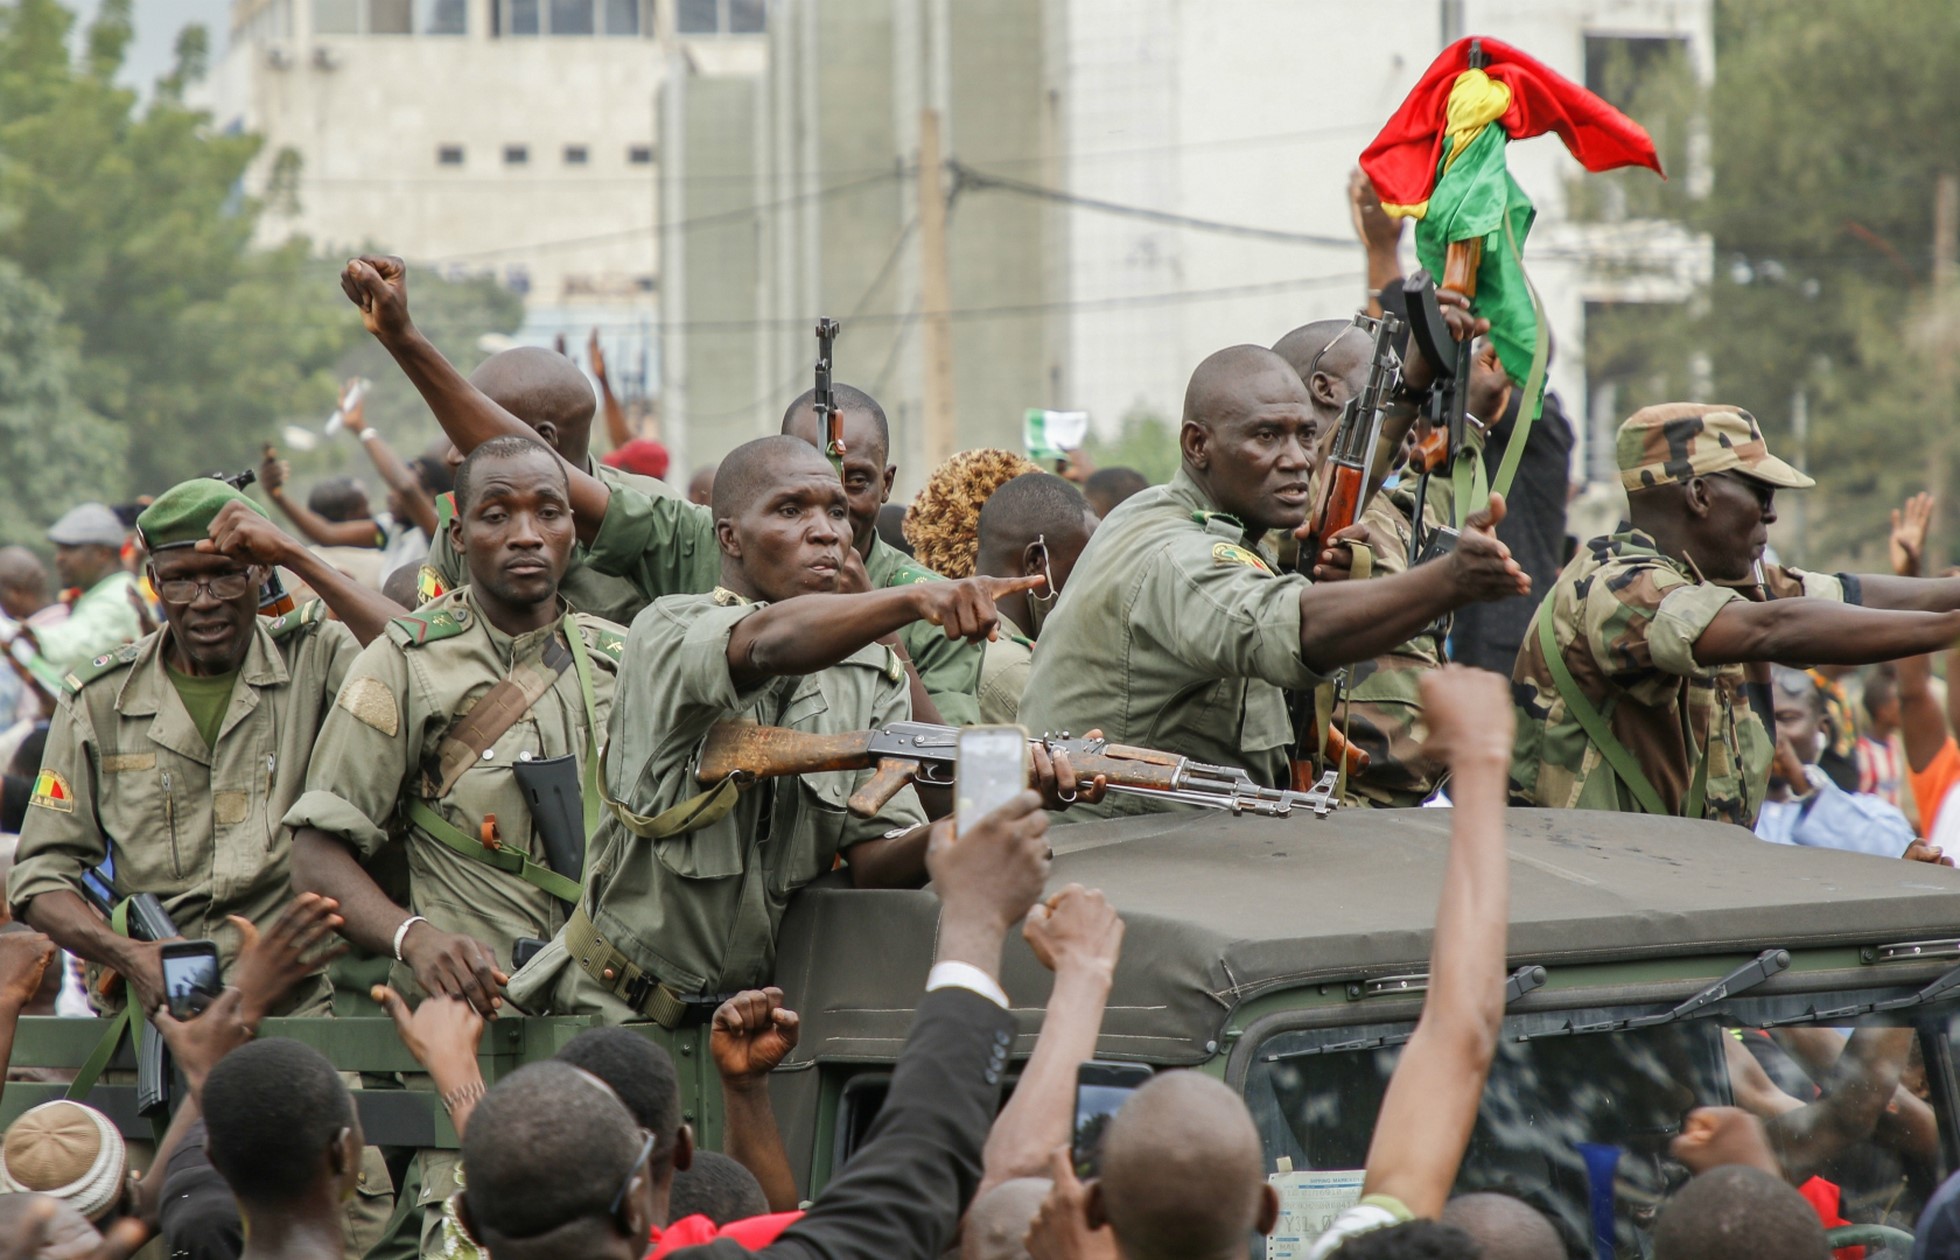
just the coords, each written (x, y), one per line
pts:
(1036, 523)
(1177, 631)
(548, 393)
(1384, 709)
(1630, 684)
(662, 545)
(688, 885)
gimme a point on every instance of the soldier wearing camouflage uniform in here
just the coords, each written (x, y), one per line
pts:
(1641, 704)
(402, 757)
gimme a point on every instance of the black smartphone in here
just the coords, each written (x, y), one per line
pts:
(190, 977)
(1101, 1089)
(523, 950)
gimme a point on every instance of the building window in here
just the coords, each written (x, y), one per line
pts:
(391, 17)
(720, 17)
(520, 17)
(337, 17)
(640, 154)
(576, 155)
(516, 155)
(571, 17)
(449, 155)
(622, 17)
(443, 17)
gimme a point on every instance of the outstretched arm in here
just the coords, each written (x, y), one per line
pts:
(1820, 632)
(751, 1033)
(407, 486)
(322, 532)
(1344, 622)
(1431, 1103)
(617, 429)
(379, 286)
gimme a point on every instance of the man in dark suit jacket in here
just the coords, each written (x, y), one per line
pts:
(554, 1176)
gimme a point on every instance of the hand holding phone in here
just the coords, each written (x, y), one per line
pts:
(190, 977)
(990, 769)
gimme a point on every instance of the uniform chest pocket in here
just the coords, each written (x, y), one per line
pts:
(811, 844)
(1267, 724)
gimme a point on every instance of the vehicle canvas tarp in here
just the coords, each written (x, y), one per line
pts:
(1221, 909)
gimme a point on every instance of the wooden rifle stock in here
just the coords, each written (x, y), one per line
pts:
(772, 752)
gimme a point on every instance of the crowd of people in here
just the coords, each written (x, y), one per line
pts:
(444, 757)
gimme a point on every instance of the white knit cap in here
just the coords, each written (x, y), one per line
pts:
(66, 1151)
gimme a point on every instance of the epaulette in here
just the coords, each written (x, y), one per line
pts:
(911, 573)
(304, 619)
(107, 663)
(602, 636)
(429, 625)
(1225, 525)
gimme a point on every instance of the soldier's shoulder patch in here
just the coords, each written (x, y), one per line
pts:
(429, 625)
(371, 701)
(51, 792)
(602, 636)
(429, 584)
(108, 663)
(1223, 524)
(910, 574)
(303, 619)
(1233, 553)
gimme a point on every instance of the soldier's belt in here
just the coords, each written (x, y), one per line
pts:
(631, 983)
(511, 861)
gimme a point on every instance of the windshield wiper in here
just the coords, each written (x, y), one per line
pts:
(1771, 962)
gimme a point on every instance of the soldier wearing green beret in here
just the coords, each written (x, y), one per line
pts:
(664, 545)
(444, 729)
(1631, 686)
(172, 760)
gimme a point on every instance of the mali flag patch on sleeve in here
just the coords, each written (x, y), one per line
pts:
(51, 792)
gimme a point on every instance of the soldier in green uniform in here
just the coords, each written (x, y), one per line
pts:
(1383, 715)
(662, 545)
(687, 886)
(437, 726)
(1177, 630)
(1036, 523)
(175, 757)
(549, 394)
(1630, 686)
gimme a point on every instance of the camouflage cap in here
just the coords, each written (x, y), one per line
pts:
(182, 515)
(1671, 442)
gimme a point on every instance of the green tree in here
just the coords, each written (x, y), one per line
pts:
(1830, 127)
(1144, 441)
(49, 436)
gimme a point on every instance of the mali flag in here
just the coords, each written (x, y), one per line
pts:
(1441, 161)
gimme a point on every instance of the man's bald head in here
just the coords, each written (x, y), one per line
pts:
(1506, 1228)
(1230, 381)
(1737, 1211)
(1333, 349)
(1182, 1173)
(23, 582)
(545, 390)
(997, 1224)
(754, 468)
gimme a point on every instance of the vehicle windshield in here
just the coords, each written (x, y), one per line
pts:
(1851, 1109)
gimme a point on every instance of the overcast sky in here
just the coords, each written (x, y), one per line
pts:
(157, 24)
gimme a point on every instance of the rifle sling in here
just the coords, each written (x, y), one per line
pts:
(105, 1049)
(703, 809)
(1594, 723)
(510, 861)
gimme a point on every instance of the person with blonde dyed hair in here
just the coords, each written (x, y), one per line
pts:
(944, 523)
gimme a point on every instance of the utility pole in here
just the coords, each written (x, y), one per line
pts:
(935, 296)
(1946, 333)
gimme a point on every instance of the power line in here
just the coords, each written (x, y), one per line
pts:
(971, 178)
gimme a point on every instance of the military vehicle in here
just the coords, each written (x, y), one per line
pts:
(1659, 965)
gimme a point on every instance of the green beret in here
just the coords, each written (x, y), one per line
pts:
(181, 516)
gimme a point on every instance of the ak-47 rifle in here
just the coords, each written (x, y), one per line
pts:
(824, 398)
(920, 752)
(147, 921)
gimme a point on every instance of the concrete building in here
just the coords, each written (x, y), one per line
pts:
(514, 137)
(1245, 113)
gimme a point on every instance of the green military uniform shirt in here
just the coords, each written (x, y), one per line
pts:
(949, 669)
(1626, 618)
(1175, 632)
(1385, 694)
(699, 910)
(198, 826)
(379, 746)
(1005, 664)
(589, 590)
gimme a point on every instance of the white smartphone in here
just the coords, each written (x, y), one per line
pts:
(990, 769)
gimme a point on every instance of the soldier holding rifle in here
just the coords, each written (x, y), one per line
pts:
(686, 887)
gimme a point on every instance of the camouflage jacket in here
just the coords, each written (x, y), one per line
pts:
(1626, 618)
